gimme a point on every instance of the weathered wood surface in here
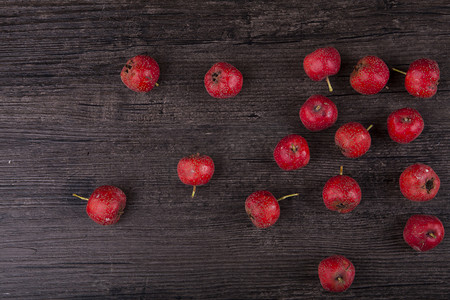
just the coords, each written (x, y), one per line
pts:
(67, 124)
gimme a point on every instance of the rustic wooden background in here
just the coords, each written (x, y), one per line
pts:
(69, 125)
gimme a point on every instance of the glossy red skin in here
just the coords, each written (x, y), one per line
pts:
(223, 81)
(422, 78)
(417, 232)
(333, 267)
(262, 208)
(322, 63)
(405, 125)
(140, 73)
(318, 113)
(195, 169)
(353, 140)
(370, 75)
(419, 182)
(291, 152)
(106, 205)
(341, 193)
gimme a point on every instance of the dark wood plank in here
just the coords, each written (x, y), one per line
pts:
(69, 125)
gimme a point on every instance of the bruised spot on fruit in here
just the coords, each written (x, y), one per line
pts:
(341, 206)
(429, 185)
(358, 66)
(251, 216)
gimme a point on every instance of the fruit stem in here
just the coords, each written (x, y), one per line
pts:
(156, 84)
(330, 88)
(370, 127)
(82, 198)
(193, 191)
(431, 235)
(340, 279)
(400, 71)
(341, 170)
(287, 196)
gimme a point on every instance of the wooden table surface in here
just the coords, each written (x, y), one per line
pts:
(69, 125)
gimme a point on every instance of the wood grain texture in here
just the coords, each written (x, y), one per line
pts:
(68, 125)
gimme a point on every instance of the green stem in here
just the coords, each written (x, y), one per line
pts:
(82, 198)
(330, 88)
(287, 196)
(400, 71)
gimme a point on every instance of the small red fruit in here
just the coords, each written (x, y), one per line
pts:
(341, 193)
(405, 125)
(322, 63)
(423, 232)
(291, 152)
(140, 73)
(336, 273)
(370, 75)
(353, 139)
(422, 78)
(105, 205)
(318, 113)
(223, 81)
(263, 208)
(419, 182)
(195, 170)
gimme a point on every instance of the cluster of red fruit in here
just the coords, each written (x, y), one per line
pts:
(341, 193)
